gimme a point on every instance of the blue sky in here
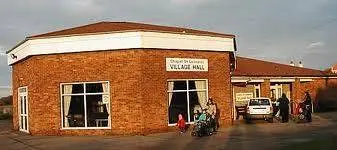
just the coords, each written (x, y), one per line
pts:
(274, 30)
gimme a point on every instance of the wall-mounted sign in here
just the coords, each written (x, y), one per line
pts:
(186, 64)
(243, 96)
(106, 99)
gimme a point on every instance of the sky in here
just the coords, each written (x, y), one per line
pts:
(272, 30)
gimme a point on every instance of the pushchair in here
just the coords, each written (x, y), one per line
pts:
(202, 128)
(304, 114)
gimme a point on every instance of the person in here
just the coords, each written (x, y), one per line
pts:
(203, 115)
(212, 111)
(181, 123)
(284, 108)
(196, 116)
(308, 106)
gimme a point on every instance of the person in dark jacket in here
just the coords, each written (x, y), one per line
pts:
(284, 108)
(308, 106)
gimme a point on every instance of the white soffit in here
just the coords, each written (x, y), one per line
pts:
(248, 81)
(114, 41)
(282, 80)
(306, 80)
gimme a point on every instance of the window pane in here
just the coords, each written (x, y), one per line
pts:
(180, 85)
(97, 112)
(94, 88)
(257, 93)
(73, 111)
(178, 105)
(192, 85)
(21, 104)
(24, 105)
(25, 121)
(21, 122)
(22, 90)
(198, 101)
(72, 89)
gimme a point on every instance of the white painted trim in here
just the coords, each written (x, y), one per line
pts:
(306, 80)
(85, 112)
(264, 77)
(282, 80)
(121, 40)
(246, 80)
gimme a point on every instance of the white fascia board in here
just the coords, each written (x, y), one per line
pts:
(186, 42)
(121, 40)
(282, 80)
(72, 44)
(246, 80)
(306, 80)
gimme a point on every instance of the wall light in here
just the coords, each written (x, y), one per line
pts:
(14, 56)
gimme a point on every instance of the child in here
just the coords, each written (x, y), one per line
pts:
(181, 123)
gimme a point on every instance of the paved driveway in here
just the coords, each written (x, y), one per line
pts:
(259, 135)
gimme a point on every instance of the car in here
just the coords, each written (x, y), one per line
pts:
(259, 108)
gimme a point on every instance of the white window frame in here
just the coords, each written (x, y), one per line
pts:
(188, 97)
(84, 94)
(278, 90)
(257, 86)
(19, 107)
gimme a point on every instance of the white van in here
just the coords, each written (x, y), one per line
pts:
(259, 108)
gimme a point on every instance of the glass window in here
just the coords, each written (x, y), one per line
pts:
(255, 102)
(186, 97)
(81, 109)
(180, 85)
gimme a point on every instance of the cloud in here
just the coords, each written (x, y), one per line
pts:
(191, 2)
(315, 45)
(5, 87)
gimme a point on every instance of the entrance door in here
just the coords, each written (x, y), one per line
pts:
(23, 109)
(275, 91)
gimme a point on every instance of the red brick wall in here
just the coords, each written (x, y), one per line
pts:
(265, 88)
(137, 85)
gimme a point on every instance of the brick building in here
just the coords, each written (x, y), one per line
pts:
(113, 78)
(258, 78)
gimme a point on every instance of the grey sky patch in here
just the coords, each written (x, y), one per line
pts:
(278, 31)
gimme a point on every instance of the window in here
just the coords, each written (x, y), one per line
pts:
(85, 105)
(186, 97)
(257, 90)
(256, 102)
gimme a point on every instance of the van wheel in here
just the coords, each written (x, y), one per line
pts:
(270, 120)
(248, 121)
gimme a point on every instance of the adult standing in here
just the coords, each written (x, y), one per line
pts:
(284, 108)
(308, 106)
(212, 111)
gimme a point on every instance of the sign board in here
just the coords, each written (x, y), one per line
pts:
(243, 96)
(186, 64)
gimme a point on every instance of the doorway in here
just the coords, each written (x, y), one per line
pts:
(23, 109)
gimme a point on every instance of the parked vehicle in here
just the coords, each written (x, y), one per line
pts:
(259, 108)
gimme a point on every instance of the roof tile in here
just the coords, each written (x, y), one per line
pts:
(103, 27)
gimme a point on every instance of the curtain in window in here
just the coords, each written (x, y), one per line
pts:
(170, 88)
(201, 96)
(106, 98)
(67, 89)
